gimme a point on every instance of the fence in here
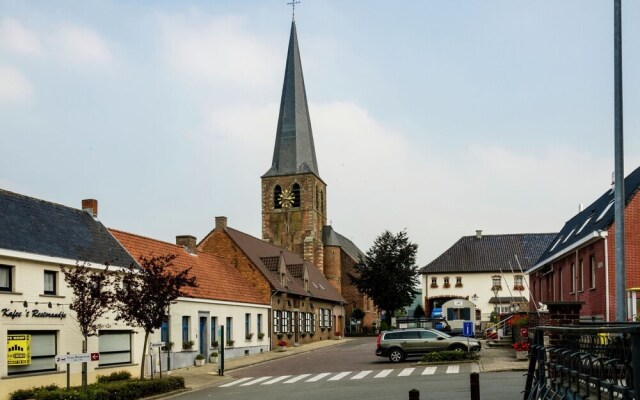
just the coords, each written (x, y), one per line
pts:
(587, 361)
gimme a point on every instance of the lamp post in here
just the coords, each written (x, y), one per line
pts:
(495, 294)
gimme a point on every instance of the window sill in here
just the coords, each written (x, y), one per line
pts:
(17, 376)
(14, 293)
(53, 296)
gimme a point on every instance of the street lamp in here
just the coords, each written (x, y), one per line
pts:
(495, 293)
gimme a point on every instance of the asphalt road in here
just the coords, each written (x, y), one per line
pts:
(353, 371)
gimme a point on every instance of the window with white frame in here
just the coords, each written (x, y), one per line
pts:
(43, 351)
(114, 347)
(286, 321)
(496, 282)
(277, 321)
(301, 322)
(312, 322)
(6, 278)
(592, 270)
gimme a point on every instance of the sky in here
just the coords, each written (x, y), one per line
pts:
(434, 117)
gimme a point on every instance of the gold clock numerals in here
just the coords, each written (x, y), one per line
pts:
(286, 198)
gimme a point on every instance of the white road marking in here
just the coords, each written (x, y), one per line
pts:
(274, 380)
(339, 376)
(383, 373)
(297, 378)
(406, 372)
(235, 382)
(453, 369)
(429, 371)
(253, 382)
(361, 375)
(318, 377)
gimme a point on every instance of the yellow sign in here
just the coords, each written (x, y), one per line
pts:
(19, 349)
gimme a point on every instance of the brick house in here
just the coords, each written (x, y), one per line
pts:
(305, 306)
(223, 298)
(476, 265)
(294, 196)
(579, 264)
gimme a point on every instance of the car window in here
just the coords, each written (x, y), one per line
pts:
(411, 335)
(428, 335)
(392, 335)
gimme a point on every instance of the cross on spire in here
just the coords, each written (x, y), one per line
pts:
(293, 3)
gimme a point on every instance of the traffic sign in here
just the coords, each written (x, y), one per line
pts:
(467, 328)
(159, 344)
(95, 356)
(73, 358)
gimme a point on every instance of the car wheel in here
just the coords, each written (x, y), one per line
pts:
(396, 355)
(458, 347)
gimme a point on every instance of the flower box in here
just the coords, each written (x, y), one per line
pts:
(521, 355)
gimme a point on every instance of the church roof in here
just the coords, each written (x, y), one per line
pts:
(490, 253)
(333, 238)
(294, 151)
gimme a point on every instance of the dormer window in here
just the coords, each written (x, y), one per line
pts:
(277, 193)
(296, 195)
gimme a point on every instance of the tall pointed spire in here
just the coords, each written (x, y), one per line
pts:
(294, 151)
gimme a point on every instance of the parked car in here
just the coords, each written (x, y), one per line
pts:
(398, 344)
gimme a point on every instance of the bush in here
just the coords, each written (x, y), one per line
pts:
(449, 355)
(213, 354)
(199, 357)
(384, 326)
(114, 390)
(114, 377)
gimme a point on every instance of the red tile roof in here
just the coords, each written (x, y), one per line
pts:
(217, 280)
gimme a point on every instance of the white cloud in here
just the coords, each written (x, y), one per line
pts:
(218, 51)
(15, 37)
(14, 86)
(82, 47)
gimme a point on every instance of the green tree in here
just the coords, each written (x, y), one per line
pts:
(357, 313)
(418, 312)
(388, 273)
(143, 294)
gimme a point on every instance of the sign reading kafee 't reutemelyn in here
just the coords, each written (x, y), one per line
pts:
(19, 349)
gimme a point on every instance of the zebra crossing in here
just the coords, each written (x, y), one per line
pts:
(346, 375)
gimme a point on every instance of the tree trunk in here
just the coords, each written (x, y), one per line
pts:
(84, 366)
(144, 354)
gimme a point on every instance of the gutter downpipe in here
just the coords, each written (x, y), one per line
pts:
(578, 273)
(604, 235)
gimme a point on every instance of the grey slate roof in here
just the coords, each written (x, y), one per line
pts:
(595, 217)
(266, 256)
(40, 227)
(294, 151)
(333, 238)
(490, 253)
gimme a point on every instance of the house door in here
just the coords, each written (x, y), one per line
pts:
(202, 336)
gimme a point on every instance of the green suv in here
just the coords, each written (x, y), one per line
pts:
(398, 344)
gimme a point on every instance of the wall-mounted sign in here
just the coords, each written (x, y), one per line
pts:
(35, 313)
(19, 349)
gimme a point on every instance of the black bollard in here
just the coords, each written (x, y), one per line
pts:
(414, 394)
(474, 380)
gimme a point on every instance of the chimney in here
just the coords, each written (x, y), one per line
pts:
(90, 206)
(187, 241)
(221, 223)
(479, 233)
(580, 207)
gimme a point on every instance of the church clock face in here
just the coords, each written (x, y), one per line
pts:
(286, 198)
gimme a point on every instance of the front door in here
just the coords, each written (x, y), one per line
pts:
(202, 336)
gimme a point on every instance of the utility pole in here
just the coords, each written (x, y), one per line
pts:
(621, 314)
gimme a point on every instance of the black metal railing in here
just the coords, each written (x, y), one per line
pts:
(588, 361)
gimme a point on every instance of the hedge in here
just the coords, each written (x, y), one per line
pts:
(449, 355)
(114, 390)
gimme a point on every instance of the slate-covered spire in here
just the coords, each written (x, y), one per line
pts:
(294, 151)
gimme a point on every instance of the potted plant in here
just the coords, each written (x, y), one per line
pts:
(167, 346)
(248, 336)
(230, 343)
(289, 335)
(188, 345)
(282, 345)
(213, 357)
(522, 350)
(199, 360)
(303, 334)
(214, 344)
(280, 335)
(260, 335)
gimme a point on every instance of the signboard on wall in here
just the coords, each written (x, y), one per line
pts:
(19, 349)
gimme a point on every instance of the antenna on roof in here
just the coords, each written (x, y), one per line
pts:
(293, 3)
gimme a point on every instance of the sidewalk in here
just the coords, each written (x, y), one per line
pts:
(492, 359)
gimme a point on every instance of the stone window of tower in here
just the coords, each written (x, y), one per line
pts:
(317, 199)
(296, 195)
(277, 191)
(321, 202)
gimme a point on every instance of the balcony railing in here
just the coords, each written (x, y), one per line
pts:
(588, 361)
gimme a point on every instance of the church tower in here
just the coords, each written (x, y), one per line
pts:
(294, 198)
